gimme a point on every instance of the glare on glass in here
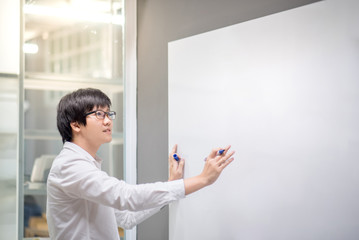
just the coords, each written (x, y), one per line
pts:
(101, 114)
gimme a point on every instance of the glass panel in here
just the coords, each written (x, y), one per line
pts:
(67, 47)
(42, 141)
(40, 150)
(64, 37)
(8, 157)
(40, 110)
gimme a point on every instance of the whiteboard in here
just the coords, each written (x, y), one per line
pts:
(283, 90)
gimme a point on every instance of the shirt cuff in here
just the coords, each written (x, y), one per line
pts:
(177, 188)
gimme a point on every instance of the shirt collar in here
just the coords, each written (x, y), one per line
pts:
(77, 148)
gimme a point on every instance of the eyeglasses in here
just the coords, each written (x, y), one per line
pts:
(102, 114)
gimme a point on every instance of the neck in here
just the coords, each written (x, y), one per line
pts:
(92, 150)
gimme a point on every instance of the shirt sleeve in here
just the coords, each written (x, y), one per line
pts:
(80, 178)
(128, 219)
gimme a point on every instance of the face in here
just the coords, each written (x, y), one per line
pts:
(97, 131)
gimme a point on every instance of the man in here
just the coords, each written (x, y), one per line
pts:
(83, 202)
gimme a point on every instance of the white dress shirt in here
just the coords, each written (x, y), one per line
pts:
(83, 202)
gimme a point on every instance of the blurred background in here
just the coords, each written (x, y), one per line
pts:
(52, 47)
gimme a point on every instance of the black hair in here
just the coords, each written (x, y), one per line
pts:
(73, 107)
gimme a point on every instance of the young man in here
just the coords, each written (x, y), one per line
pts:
(83, 202)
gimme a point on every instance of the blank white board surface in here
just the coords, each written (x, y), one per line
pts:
(283, 90)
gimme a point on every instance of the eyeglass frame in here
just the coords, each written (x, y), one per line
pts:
(108, 114)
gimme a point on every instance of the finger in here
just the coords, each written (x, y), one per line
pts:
(226, 163)
(214, 152)
(181, 164)
(226, 149)
(229, 155)
(222, 152)
(225, 158)
(174, 149)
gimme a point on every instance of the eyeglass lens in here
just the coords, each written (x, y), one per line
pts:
(101, 114)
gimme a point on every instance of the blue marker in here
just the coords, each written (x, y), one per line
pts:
(175, 156)
(220, 152)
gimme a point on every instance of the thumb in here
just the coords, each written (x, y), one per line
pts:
(181, 163)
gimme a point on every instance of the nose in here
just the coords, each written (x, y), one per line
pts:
(107, 120)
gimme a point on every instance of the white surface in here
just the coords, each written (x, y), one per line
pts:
(10, 35)
(283, 90)
(8, 170)
(41, 168)
(8, 104)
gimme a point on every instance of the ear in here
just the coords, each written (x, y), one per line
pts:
(75, 126)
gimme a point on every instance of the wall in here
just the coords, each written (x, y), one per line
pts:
(283, 90)
(158, 23)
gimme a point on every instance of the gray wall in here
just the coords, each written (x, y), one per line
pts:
(161, 21)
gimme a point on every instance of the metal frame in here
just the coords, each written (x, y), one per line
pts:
(130, 97)
(20, 167)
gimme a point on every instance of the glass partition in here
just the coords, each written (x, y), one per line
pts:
(77, 38)
(65, 45)
(68, 44)
(8, 156)
(9, 123)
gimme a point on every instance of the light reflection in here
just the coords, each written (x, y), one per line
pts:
(75, 14)
(30, 48)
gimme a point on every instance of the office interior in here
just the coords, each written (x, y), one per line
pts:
(49, 48)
